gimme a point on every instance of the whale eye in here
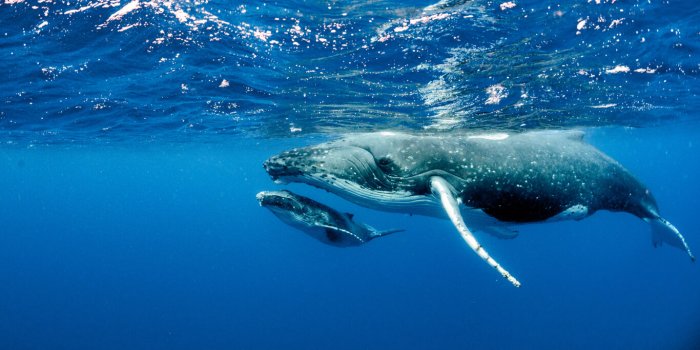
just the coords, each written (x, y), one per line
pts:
(384, 163)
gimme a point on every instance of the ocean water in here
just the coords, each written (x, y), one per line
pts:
(132, 136)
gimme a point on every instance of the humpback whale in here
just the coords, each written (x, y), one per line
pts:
(318, 220)
(481, 182)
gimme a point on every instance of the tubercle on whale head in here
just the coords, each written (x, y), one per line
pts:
(260, 197)
(279, 200)
(279, 166)
(265, 197)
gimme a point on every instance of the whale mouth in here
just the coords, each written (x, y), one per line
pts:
(276, 200)
(264, 198)
(278, 168)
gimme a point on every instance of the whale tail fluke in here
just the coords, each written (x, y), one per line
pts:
(663, 231)
(377, 233)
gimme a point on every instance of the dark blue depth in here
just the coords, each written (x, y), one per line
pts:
(166, 247)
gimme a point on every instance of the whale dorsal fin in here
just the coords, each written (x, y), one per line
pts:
(574, 135)
(442, 189)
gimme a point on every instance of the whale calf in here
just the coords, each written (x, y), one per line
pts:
(318, 220)
(479, 181)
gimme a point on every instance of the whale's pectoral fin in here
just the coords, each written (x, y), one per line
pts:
(335, 234)
(443, 190)
(663, 231)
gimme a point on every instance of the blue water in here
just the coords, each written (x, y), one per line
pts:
(132, 136)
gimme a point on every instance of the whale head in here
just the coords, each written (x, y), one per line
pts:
(280, 202)
(373, 170)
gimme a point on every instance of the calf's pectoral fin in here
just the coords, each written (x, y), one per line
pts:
(334, 234)
(663, 231)
(442, 189)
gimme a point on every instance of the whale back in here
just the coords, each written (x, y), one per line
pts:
(524, 177)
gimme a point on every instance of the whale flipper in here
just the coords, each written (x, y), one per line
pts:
(663, 231)
(334, 234)
(441, 188)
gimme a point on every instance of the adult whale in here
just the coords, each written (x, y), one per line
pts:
(497, 178)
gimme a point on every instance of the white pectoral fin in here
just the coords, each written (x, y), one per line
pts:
(341, 231)
(442, 189)
(663, 231)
